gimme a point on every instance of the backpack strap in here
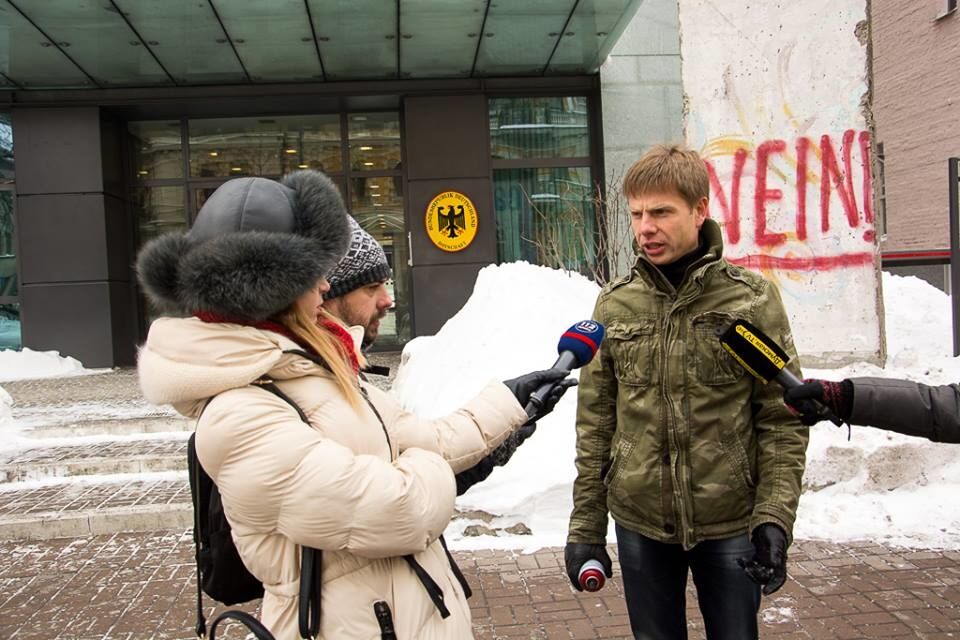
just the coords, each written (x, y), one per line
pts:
(467, 591)
(310, 562)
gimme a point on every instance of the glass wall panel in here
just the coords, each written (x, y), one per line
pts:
(377, 205)
(374, 141)
(10, 326)
(232, 147)
(159, 149)
(552, 127)
(545, 216)
(6, 149)
(8, 247)
(161, 210)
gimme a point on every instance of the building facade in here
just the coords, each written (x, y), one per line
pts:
(916, 107)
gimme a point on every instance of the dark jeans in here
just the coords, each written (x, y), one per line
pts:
(655, 582)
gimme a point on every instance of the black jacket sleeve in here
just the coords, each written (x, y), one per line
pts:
(911, 408)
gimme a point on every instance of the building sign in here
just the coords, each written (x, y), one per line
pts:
(451, 221)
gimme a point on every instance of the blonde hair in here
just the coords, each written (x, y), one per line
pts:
(666, 167)
(328, 347)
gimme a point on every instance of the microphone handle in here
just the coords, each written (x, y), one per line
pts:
(567, 361)
(789, 381)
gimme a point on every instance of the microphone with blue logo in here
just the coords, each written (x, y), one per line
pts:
(576, 347)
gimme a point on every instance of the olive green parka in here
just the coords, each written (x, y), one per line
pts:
(674, 438)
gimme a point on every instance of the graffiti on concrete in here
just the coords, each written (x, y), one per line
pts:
(822, 194)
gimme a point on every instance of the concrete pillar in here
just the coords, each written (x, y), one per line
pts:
(74, 236)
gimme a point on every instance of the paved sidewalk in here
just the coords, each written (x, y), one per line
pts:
(129, 586)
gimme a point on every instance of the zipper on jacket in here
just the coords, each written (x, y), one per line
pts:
(385, 619)
(679, 462)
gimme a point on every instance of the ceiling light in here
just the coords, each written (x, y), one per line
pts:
(143, 172)
(303, 166)
(366, 148)
(368, 164)
(291, 150)
(374, 186)
(236, 169)
(214, 154)
(375, 195)
(377, 204)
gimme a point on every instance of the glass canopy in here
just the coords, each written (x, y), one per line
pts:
(60, 44)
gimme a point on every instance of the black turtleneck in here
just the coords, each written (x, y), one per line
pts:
(675, 271)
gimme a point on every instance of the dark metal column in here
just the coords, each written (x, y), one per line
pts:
(953, 173)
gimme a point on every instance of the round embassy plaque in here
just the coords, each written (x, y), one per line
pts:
(451, 221)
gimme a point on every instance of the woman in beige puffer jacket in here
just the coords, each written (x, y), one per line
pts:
(364, 481)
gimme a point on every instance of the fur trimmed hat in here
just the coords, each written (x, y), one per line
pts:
(256, 246)
(364, 263)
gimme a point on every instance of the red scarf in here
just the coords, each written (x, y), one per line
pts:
(343, 337)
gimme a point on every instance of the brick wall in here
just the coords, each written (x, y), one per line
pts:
(916, 106)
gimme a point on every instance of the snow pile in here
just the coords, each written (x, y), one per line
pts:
(8, 428)
(878, 486)
(28, 364)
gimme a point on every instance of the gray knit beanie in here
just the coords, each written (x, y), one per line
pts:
(364, 263)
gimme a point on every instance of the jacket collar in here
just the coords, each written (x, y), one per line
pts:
(710, 233)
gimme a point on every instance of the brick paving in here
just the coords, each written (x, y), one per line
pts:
(140, 585)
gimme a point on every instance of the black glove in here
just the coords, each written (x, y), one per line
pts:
(576, 553)
(809, 399)
(768, 566)
(523, 386)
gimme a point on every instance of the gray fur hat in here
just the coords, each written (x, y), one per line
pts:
(364, 263)
(255, 247)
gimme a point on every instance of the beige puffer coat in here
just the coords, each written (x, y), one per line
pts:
(363, 488)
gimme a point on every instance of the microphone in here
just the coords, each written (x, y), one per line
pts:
(764, 359)
(576, 347)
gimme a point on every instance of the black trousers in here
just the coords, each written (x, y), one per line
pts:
(655, 581)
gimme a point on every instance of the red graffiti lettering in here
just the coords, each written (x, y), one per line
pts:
(806, 263)
(832, 179)
(731, 211)
(803, 147)
(830, 170)
(761, 195)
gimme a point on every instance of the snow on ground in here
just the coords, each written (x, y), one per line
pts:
(877, 486)
(28, 364)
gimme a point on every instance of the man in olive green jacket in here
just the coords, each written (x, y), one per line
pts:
(698, 463)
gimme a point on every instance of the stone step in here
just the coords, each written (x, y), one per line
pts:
(95, 505)
(100, 457)
(119, 426)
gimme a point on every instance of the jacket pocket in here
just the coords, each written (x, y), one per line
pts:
(713, 365)
(631, 346)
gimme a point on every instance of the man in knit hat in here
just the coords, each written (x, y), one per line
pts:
(358, 293)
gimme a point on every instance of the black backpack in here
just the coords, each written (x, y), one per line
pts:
(221, 573)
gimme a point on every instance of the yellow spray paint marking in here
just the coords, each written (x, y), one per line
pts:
(451, 221)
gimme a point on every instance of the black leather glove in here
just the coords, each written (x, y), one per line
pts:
(523, 386)
(809, 400)
(768, 566)
(576, 553)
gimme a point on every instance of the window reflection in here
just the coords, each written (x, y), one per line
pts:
(8, 249)
(545, 216)
(233, 147)
(6, 149)
(555, 127)
(377, 205)
(159, 149)
(10, 326)
(161, 210)
(374, 141)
